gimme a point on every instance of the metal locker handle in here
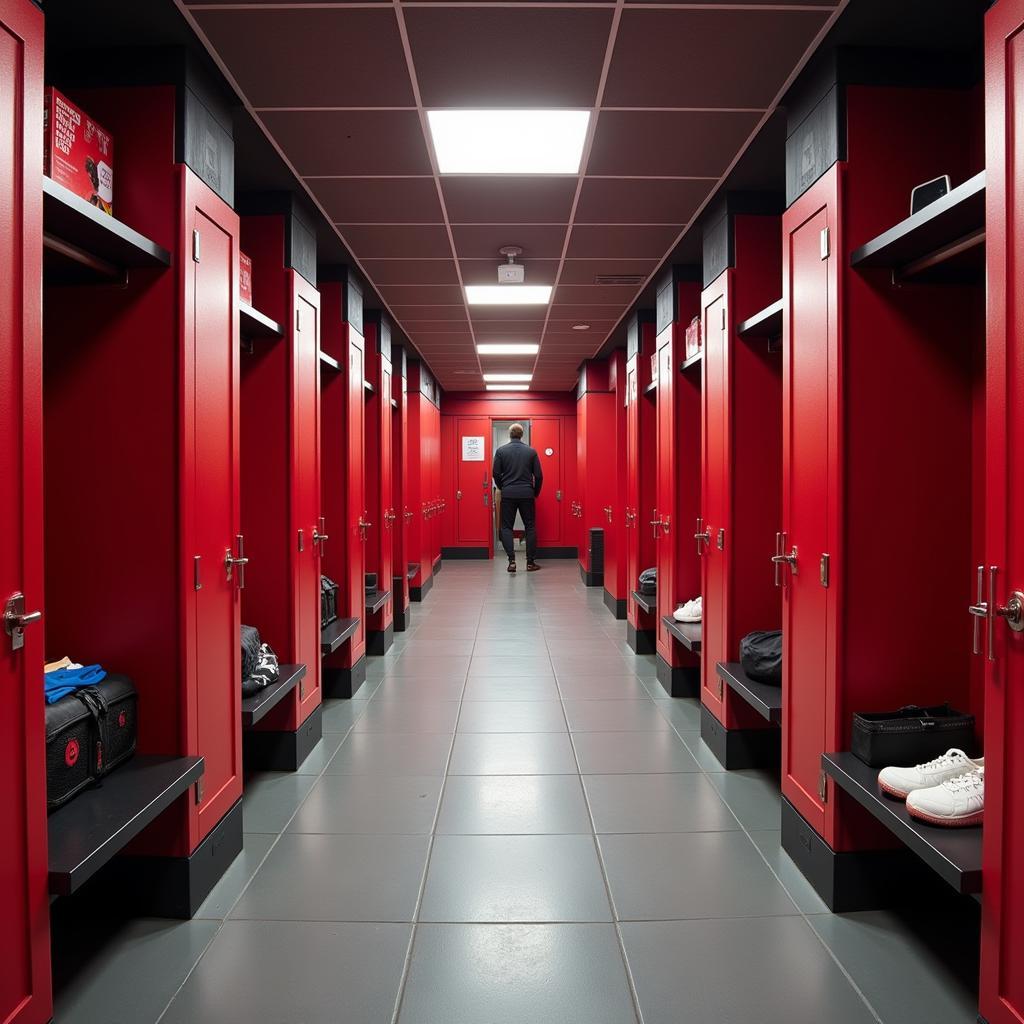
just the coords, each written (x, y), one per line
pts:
(458, 495)
(319, 537)
(230, 561)
(790, 560)
(702, 536)
(979, 610)
(655, 523)
(16, 619)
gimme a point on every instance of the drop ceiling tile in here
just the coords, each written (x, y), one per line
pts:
(379, 200)
(585, 271)
(507, 56)
(507, 313)
(312, 57)
(616, 240)
(350, 142)
(611, 295)
(640, 201)
(657, 143)
(771, 3)
(563, 328)
(421, 294)
(497, 329)
(482, 241)
(675, 58)
(400, 241)
(385, 272)
(433, 313)
(508, 200)
(425, 328)
(486, 271)
(586, 314)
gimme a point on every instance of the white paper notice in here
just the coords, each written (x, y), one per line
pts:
(472, 449)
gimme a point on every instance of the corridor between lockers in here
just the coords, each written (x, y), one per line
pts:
(510, 824)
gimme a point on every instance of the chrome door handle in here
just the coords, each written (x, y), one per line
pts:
(702, 536)
(655, 523)
(319, 537)
(990, 610)
(230, 561)
(665, 523)
(16, 619)
(979, 611)
(608, 512)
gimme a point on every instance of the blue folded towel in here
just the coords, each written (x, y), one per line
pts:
(62, 681)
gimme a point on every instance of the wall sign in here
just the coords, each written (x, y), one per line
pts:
(472, 449)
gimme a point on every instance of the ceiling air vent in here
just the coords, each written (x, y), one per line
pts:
(633, 279)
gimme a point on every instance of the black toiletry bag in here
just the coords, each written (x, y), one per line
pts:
(761, 656)
(328, 601)
(911, 735)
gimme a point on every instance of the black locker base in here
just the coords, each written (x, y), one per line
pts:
(591, 579)
(741, 748)
(419, 593)
(436, 567)
(858, 880)
(344, 682)
(616, 605)
(175, 886)
(379, 641)
(678, 680)
(641, 641)
(465, 553)
(403, 616)
(558, 552)
(282, 750)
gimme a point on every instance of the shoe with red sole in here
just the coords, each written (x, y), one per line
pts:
(900, 782)
(956, 803)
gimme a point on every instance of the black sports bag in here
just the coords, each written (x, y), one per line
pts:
(761, 656)
(251, 643)
(648, 582)
(910, 735)
(328, 601)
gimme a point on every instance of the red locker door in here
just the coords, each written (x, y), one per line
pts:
(473, 483)
(632, 490)
(809, 401)
(212, 370)
(1002, 980)
(358, 515)
(665, 494)
(386, 496)
(714, 493)
(546, 434)
(24, 939)
(306, 494)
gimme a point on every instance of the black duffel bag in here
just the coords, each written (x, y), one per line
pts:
(88, 734)
(911, 735)
(761, 656)
(648, 582)
(328, 601)
(250, 650)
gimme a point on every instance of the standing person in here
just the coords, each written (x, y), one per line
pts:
(518, 476)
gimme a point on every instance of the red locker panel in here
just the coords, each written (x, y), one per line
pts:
(547, 433)
(615, 536)
(357, 520)
(595, 428)
(473, 514)
(400, 489)
(24, 943)
(1002, 981)
(378, 467)
(418, 480)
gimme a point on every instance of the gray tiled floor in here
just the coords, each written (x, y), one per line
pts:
(513, 824)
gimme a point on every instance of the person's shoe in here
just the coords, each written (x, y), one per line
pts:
(512, 565)
(956, 803)
(900, 782)
(691, 611)
(532, 566)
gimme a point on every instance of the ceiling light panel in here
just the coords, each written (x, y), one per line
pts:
(508, 141)
(508, 294)
(507, 387)
(507, 349)
(498, 378)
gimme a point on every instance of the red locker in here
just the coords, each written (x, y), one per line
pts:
(473, 514)
(400, 491)
(418, 479)
(677, 482)
(25, 946)
(740, 484)
(281, 503)
(1002, 981)
(640, 483)
(595, 426)
(379, 495)
(547, 436)
(615, 589)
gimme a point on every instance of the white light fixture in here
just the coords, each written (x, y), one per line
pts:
(581, 327)
(508, 141)
(508, 294)
(497, 378)
(508, 387)
(508, 349)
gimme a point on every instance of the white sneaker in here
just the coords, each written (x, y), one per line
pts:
(957, 802)
(899, 782)
(690, 611)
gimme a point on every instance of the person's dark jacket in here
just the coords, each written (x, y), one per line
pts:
(517, 472)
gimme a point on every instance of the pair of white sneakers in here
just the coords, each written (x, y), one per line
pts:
(950, 790)
(691, 611)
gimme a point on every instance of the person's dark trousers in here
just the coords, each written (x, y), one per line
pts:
(527, 508)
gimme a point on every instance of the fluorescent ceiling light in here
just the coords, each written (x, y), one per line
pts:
(496, 378)
(508, 141)
(508, 349)
(508, 294)
(508, 387)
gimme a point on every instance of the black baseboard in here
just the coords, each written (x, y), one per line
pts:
(176, 886)
(465, 553)
(344, 682)
(403, 618)
(678, 680)
(741, 748)
(558, 552)
(591, 579)
(282, 751)
(436, 567)
(420, 592)
(857, 880)
(616, 605)
(641, 641)
(379, 641)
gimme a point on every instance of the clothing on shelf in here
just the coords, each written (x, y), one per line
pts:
(63, 681)
(64, 662)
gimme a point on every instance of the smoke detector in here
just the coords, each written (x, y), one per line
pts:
(511, 272)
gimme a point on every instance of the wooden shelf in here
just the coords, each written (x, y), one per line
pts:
(764, 699)
(255, 326)
(766, 324)
(694, 360)
(261, 703)
(649, 602)
(689, 634)
(329, 362)
(84, 245)
(334, 635)
(953, 853)
(376, 599)
(98, 823)
(944, 241)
